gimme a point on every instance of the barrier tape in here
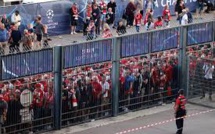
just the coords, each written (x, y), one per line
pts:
(164, 122)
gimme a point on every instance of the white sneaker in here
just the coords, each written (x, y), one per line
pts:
(72, 33)
(75, 33)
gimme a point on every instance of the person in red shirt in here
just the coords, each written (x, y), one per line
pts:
(38, 99)
(180, 111)
(166, 15)
(89, 11)
(158, 23)
(138, 18)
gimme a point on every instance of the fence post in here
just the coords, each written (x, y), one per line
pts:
(213, 31)
(115, 75)
(183, 58)
(57, 86)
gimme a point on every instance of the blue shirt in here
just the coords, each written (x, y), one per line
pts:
(3, 35)
(128, 80)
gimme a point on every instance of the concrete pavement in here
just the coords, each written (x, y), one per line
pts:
(135, 120)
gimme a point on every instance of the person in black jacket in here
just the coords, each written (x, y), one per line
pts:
(96, 14)
(109, 17)
(112, 5)
(15, 39)
(121, 29)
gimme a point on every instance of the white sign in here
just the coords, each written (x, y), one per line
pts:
(26, 98)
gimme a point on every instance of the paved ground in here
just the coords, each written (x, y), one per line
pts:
(199, 121)
(69, 39)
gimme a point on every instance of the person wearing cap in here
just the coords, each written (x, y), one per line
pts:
(180, 111)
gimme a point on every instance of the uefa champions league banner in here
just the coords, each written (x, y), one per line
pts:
(135, 45)
(165, 39)
(87, 53)
(200, 33)
(56, 15)
(25, 64)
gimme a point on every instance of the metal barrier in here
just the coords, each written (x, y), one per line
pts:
(86, 93)
(101, 78)
(148, 80)
(30, 104)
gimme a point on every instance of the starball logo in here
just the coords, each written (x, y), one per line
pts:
(50, 14)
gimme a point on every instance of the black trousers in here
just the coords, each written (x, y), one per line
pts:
(207, 86)
(179, 120)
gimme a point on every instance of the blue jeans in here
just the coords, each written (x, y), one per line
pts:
(138, 28)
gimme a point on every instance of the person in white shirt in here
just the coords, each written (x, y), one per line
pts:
(16, 18)
(208, 69)
(184, 19)
(105, 94)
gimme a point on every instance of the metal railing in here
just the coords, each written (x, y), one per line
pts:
(111, 59)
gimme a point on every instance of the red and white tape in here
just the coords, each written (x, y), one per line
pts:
(163, 122)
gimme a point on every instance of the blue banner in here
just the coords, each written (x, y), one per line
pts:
(56, 15)
(200, 33)
(25, 64)
(135, 45)
(165, 39)
(87, 53)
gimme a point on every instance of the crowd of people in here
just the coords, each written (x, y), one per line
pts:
(100, 16)
(201, 70)
(86, 91)
(13, 35)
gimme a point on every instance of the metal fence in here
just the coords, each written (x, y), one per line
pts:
(99, 79)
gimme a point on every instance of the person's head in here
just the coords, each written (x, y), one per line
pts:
(184, 11)
(132, 1)
(95, 6)
(181, 92)
(166, 7)
(110, 9)
(112, 1)
(30, 26)
(120, 23)
(74, 4)
(106, 26)
(25, 32)
(4, 16)
(16, 12)
(187, 9)
(12, 96)
(89, 3)
(159, 18)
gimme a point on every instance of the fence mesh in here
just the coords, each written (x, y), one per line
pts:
(30, 102)
(148, 80)
(86, 93)
(201, 75)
